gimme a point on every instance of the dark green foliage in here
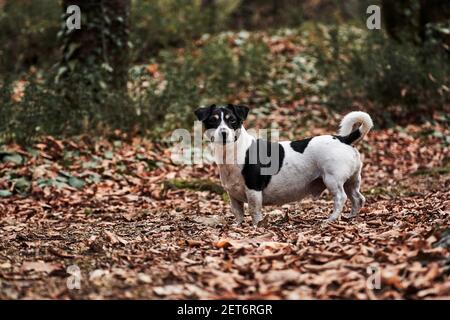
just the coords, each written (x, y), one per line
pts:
(28, 34)
(175, 23)
(394, 81)
(195, 184)
(213, 73)
(48, 108)
(98, 52)
(187, 62)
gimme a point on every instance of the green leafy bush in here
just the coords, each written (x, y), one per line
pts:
(45, 107)
(215, 72)
(394, 81)
(28, 34)
(160, 24)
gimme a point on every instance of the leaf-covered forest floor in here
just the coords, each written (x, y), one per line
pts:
(138, 226)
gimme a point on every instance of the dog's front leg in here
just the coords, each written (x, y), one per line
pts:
(254, 199)
(237, 208)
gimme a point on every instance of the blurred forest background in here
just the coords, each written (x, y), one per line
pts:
(87, 178)
(143, 66)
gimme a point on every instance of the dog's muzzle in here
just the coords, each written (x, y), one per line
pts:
(224, 137)
(237, 133)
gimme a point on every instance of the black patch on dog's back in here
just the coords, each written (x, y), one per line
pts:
(349, 139)
(300, 145)
(256, 159)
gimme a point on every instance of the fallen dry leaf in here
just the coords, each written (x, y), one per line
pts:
(122, 228)
(40, 266)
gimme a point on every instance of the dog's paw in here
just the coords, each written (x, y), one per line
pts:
(349, 215)
(327, 222)
(263, 222)
(258, 220)
(333, 218)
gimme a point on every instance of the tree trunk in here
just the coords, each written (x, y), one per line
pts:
(101, 45)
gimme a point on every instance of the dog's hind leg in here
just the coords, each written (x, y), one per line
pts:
(254, 199)
(237, 208)
(351, 187)
(336, 188)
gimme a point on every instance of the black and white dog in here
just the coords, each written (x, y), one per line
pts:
(270, 173)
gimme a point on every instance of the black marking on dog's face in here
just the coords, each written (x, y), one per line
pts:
(241, 112)
(300, 145)
(252, 172)
(233, 116)
(349, 139)
(229, 118)
(204, 112)
(214, 118)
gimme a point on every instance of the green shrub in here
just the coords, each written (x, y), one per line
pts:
(28, 34)
(46, 108)
(212, 73)
(394, 81)
(159, 24)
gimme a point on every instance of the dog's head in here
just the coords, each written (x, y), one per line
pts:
(222, 124)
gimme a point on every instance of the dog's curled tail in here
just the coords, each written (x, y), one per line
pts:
(349, 133)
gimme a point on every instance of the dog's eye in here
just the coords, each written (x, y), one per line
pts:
(232, 121)
(214, 118)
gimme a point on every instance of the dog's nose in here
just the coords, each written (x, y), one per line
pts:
(224, 135)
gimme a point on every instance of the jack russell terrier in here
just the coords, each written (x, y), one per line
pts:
(260, 172)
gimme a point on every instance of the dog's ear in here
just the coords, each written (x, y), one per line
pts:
(204, 112)
(240, 111)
